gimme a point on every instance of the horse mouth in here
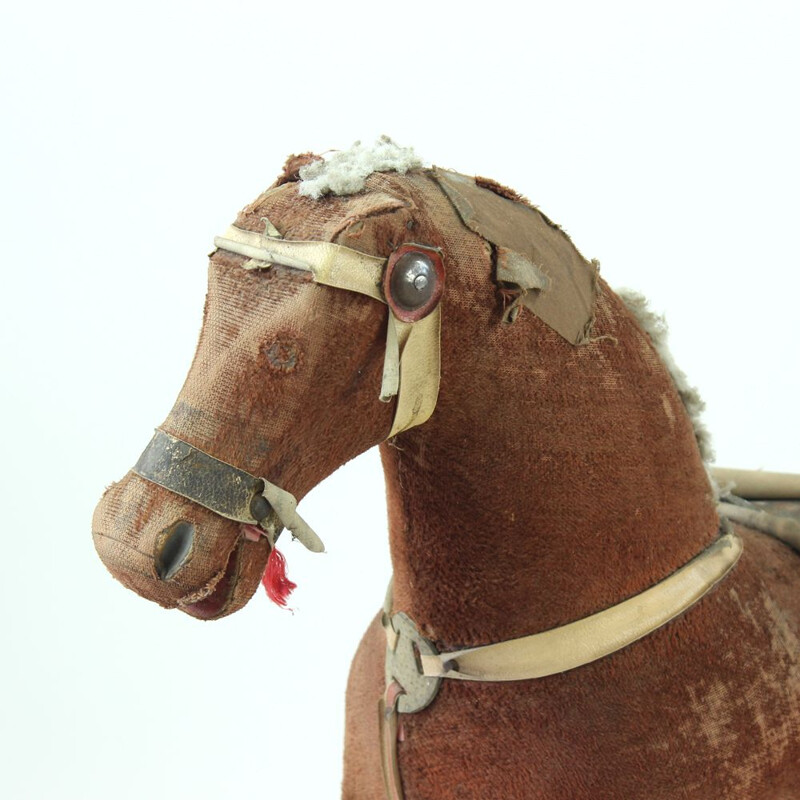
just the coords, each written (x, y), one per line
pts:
(214, 604)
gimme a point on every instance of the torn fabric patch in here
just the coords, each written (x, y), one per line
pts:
(542, 254)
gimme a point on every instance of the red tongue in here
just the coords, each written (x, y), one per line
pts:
(278, 586)
(252, 533)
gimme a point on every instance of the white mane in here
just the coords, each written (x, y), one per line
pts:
(655, 326)
(345, 171)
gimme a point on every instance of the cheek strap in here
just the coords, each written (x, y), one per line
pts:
(226, 490)
(411, 369)
(412, 363)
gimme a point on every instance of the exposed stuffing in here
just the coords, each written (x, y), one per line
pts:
(345, 171)
(655, 325)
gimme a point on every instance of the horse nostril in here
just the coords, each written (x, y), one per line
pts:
(176, 545)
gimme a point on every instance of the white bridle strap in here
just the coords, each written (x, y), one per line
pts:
(753, 484)
(329, 263)
(419, 369)
(413, 683)
(596, 636)
(412, 362)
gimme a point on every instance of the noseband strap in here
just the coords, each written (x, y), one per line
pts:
(228, 491)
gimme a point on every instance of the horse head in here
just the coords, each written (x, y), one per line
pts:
(322, 337)
(545, 475)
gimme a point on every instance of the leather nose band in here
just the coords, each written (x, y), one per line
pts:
(226, 490)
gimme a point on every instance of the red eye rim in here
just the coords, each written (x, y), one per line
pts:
(435, 258)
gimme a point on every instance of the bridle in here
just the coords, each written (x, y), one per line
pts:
(410, 282)
(551, 277)
(226, 490)
(411, 373)
(412, 360)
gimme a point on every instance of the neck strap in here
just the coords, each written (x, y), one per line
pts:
(559, 649)
(414, 670)
(595, 636)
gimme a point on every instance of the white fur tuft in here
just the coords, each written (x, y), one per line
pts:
(656, 328)
(345, 171)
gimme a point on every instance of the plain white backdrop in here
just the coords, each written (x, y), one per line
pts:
(663, 138)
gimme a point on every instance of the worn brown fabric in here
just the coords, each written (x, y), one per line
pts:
(552, 481)
(266, 394)
(565, 283)
(292, 167)
(703, 708)
(503, 191)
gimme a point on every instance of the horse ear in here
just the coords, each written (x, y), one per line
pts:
(292, 167)
(556, 282)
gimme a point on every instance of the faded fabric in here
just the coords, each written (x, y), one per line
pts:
(247, 400)
(551, 481)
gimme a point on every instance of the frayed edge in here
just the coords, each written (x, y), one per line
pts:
(345, 171)
(655, 326)
(719, 491)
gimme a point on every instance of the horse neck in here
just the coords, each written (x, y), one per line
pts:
(551, 482)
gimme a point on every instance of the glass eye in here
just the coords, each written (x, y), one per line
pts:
(414, 281)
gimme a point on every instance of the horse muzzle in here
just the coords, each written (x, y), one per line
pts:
(175, 552)
(183, 528)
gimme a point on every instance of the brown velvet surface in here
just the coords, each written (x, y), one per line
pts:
(706, 707)
(551, 481)
(267, 393)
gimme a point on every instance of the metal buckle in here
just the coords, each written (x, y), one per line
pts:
(404, 647)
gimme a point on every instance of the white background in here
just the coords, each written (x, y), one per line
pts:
(664, 138)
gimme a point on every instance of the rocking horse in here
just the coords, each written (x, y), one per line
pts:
(579, 609)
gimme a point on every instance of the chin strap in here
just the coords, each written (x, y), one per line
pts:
(228, 491)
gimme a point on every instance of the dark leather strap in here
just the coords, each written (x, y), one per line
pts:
(228, 491)
(182, 468)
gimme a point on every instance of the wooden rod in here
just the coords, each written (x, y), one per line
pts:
(754, 484)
